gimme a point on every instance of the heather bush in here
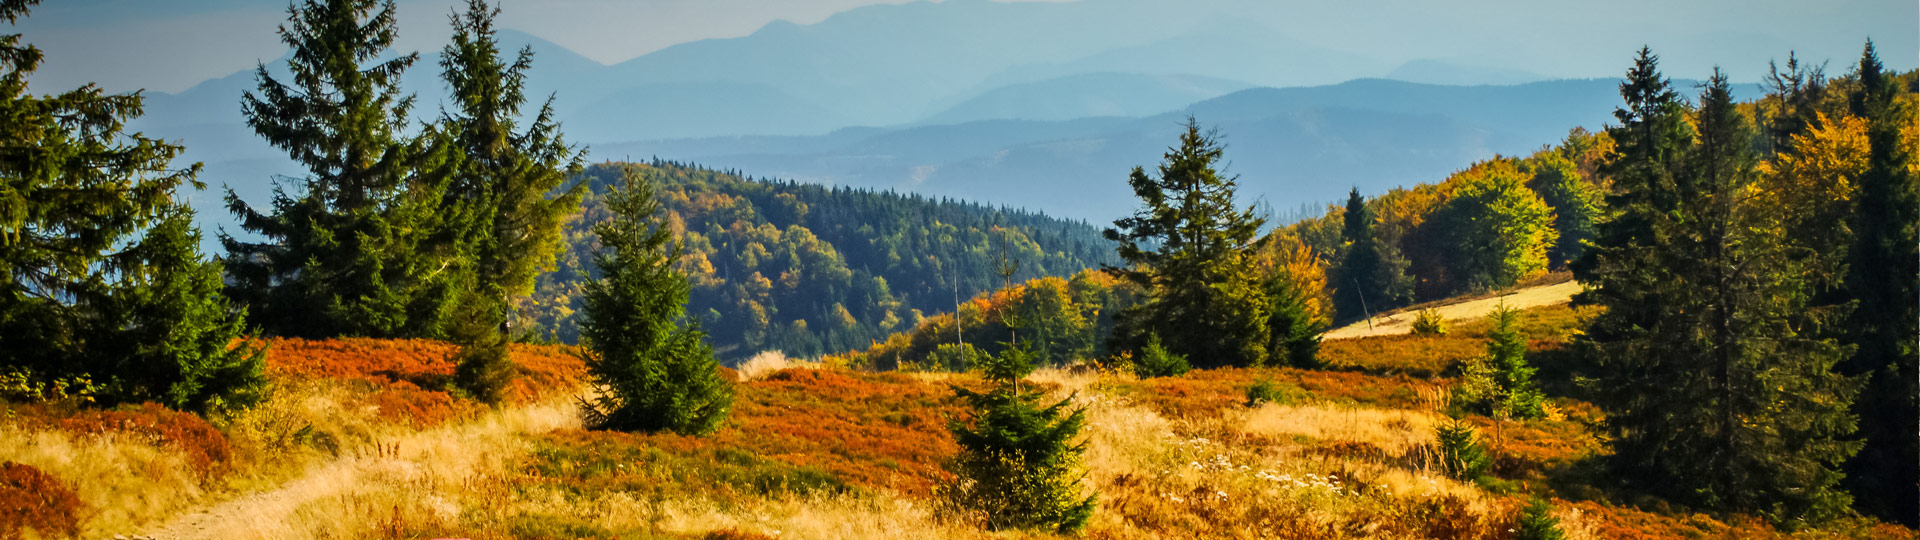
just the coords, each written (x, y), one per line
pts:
(35, 502)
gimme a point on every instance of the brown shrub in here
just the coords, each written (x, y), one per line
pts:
(206, 449)
(733, 534)
(31, 500)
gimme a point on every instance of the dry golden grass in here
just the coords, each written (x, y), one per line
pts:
(1396, 432)
(767, 362)
(829, 453)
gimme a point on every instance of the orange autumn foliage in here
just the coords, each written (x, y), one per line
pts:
(31, 500)
(204, 447)
(409, 376)
(873, 430)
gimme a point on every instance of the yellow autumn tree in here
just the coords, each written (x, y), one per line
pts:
(1806, 190)
(1298, 305)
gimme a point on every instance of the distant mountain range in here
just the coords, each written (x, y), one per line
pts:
(894, 97)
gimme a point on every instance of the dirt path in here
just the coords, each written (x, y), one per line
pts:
(1402, 322)
(438, 455)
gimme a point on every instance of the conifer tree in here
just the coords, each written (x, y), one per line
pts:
(1713, 397)
(1296, 307)
(655, 371)
(105, 279)
(1372, 276)
(510, 178)
(1884, 260)
(361, 245)
(1191, 248)
(1018, 467)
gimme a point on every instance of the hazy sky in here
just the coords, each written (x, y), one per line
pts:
(169, 45)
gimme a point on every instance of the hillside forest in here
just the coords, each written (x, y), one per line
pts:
(464, 327)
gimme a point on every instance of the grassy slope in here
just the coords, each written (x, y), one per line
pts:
(357, 444)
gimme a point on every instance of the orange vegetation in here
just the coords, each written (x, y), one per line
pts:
(865, 429)
(409, 376)
(1206, 392)
(35, 501)
(203, 446)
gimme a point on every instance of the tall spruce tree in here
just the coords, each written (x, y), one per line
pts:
(1883, 263)
(1372, 276)
(1191, 248)
(104, 274)
(510, 177)
(654, 371)
(1713, 397)
(362, 244)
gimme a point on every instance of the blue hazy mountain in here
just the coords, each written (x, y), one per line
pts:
(1087, 95)
(1430, 71)
(1290, 145)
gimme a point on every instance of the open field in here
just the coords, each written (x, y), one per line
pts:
(366, 447)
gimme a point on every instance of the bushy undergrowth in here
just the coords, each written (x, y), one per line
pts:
(35, 502)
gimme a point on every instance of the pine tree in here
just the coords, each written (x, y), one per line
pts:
(1191, 248)
(1296, 287)
(508, 180)
(105, 276)
(1373, 274)
(1519, 397)
(362, 245)
(1884, 260)
(1537, 522)
(1713, 397)
(1018, 466)
(654, 371)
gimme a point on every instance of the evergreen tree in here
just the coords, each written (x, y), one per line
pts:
(1296, 287)
(1018, 466)
(1884, 260)
(655, 372)
(105, 279)
(362, 246)
(1191, 248)
(1537, 522)
(1713, 397)
(1155, 360)
(482, 366)
(508, 180)
(1507, 353)
(1373, 274)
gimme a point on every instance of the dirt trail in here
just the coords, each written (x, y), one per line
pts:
(438, 455)
(1402, 322)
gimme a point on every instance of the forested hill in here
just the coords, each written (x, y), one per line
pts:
(808, 269)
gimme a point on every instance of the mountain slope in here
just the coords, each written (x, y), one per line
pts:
(1087, 95)
(807, 269)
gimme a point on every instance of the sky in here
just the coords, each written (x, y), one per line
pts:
(168, 46)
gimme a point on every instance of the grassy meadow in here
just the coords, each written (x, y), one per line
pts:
(359, 441)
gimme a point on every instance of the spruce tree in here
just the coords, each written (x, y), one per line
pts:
(1294, 329)
(1885, 476)
(1018, 467)
(1713, 397)
(510, 178)
(1372, 276)
(654, 371)
(105, 278)
(362, 244)
(1191, 248)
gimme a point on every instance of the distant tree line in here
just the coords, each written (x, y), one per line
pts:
(809, 269)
